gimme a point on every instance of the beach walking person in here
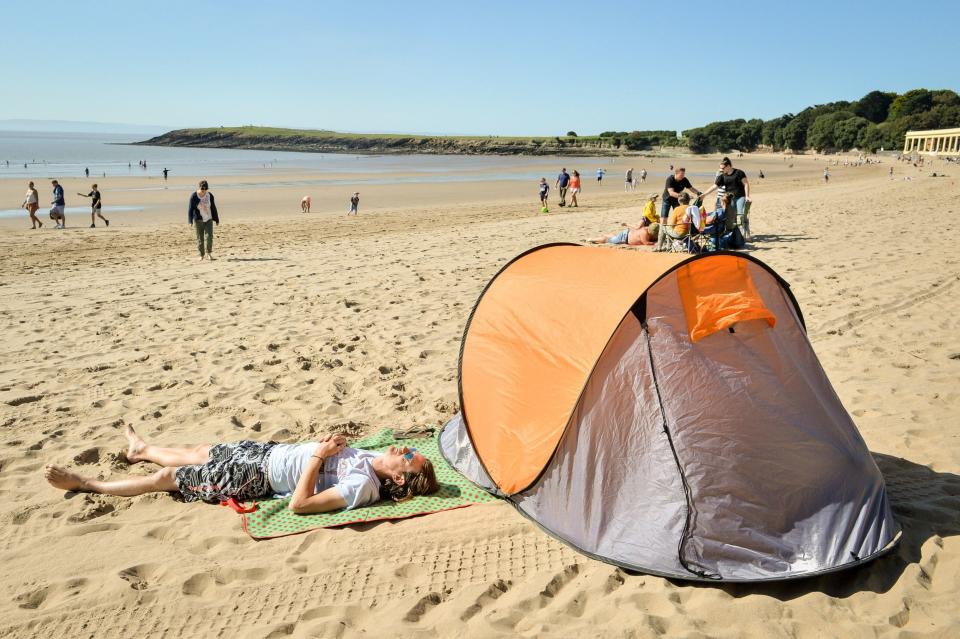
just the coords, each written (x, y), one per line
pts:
(31, 202)
(95, 205)
(675, 185)
(86, 172)
(305, 204)
(165, 172)
(563, 183)
(600, 173)
(58, 206)
(544, 192)
(202, 215)
(574, 188)
(826, 174)
(628, 180)
(735, 182)
(354, 204)
(643, 176)
(319, 476)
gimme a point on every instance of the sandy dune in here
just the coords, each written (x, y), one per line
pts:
(319, 324)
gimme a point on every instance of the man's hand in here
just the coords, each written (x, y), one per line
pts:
(331, 445)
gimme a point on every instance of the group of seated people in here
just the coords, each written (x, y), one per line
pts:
(718, 227)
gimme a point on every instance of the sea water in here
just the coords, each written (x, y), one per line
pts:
(66, 155)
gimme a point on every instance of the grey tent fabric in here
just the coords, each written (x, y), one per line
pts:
(456, 449)
(731, 458)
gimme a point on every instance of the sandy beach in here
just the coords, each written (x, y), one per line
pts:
(319, 323)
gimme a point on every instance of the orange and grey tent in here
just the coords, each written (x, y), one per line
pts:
(664, 413)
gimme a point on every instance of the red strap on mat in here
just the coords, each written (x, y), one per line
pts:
(235, 505)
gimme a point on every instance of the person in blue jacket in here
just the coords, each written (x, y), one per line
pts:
(202, 214)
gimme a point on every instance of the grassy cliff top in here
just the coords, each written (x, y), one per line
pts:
(275, 132)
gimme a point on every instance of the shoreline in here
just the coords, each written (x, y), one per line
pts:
(276, 194)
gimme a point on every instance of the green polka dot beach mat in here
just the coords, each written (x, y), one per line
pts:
(272, 518)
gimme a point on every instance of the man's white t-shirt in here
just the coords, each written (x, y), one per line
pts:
(350, 471)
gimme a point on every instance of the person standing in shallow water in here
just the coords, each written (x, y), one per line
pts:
(202, 215)
(354, 204)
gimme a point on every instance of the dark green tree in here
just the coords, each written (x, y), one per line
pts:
(874, 106)
(795, 134)
(846, 133)
(910, 103)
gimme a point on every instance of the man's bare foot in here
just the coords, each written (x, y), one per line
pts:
(136, 445)
(60, 477)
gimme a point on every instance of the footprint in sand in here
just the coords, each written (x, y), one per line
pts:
(89, 456)
(92, 508)
(142, 576)
(34, 599)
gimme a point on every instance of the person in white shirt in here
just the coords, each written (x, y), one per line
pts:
(31, 202)
(318, 476)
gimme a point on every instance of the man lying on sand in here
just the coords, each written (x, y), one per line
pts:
(321, 476)
(644, 234)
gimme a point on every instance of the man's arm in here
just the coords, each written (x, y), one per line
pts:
(322, 502)
(746, 187)
(304, 499)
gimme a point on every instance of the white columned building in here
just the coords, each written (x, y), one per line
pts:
(933, 142)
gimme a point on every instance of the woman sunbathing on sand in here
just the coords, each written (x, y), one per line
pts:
(321, 476)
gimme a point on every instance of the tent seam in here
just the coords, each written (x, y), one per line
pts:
(687, 493)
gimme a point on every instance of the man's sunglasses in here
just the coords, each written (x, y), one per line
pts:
(409, 455)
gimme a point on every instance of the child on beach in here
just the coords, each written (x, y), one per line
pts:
(354, 203)
(544, 190)
(95, 206)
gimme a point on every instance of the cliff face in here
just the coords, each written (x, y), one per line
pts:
(323, 142)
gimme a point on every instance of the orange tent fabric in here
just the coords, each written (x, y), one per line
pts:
(717, 293)
(521, 365)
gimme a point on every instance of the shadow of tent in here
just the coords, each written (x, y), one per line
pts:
(926, 505)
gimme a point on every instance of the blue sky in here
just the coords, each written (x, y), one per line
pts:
(496, 67)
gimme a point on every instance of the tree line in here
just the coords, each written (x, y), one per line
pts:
(877, 120)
